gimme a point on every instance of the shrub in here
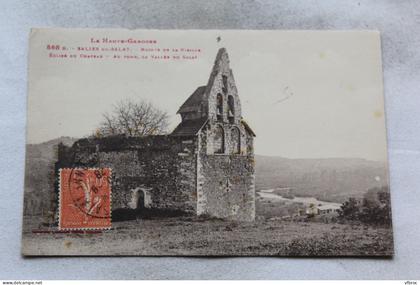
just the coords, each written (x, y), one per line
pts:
(374, 209)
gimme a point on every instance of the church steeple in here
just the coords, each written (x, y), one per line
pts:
(216, 104)
(221, 77)
(221, 63)
(223, 102)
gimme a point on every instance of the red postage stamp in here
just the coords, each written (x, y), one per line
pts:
(85, 198)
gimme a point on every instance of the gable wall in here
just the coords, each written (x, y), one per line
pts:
(226, 186)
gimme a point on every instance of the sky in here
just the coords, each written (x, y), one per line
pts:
(306, 94)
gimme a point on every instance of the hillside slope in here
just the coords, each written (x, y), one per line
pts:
(39, 174)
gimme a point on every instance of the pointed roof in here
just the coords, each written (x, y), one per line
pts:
(221, 57)
(189, 127)
(193, 102)
(248, 128)
(221, 62)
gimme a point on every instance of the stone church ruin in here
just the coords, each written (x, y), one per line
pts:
(204, 167)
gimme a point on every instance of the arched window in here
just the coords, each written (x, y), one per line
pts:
(219, 140)
(235, 138)
(219, 107)
(231, 109)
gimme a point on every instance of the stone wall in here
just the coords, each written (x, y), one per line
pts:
(164, 165)
(245, 140)
(175, 173)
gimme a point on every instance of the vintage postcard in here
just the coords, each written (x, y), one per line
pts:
(206, 143)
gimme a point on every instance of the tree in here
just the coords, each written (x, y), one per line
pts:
(377, 210)
(133, 119)
(349, 210)
(373, 209)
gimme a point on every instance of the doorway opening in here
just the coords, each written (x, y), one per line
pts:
(140, 198)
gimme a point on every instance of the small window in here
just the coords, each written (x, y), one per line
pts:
(219, 107)
(231, 109)
(235, 137)
(219, 140)
(228, 185)
(225, 84)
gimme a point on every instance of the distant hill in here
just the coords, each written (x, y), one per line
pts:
(45, 150)
(333, 179)
(39, 174)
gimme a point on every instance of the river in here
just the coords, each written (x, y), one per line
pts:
(268, 194)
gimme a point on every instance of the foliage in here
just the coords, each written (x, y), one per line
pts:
(133, 119)
(374, 208)
(341, 243)
(312, 246)
(350, 209)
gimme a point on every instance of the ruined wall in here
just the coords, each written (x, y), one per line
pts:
(225, 183)
(164, 165)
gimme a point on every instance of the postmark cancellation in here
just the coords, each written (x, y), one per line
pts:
(84, 198)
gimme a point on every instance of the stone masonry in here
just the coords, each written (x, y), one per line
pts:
(204, 167)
